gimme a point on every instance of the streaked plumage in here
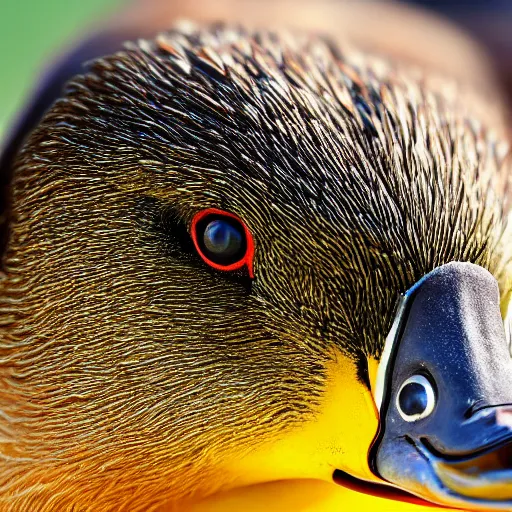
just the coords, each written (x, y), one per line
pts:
(131, 371)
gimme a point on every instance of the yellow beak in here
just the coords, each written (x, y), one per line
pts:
(295, 474)
(298, 496)
(338, 436)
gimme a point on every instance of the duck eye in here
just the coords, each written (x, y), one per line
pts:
(222, 240)
(416, 398)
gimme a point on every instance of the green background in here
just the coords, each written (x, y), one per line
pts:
(31, 32)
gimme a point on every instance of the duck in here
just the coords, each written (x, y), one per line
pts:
(239, 260)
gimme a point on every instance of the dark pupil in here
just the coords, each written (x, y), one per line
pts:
(413, 399)
(223, 242)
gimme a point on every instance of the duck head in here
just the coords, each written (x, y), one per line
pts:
(208, 235)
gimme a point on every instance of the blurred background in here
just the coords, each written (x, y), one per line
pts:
(33, 32)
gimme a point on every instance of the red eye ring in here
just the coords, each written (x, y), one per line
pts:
(248, 256)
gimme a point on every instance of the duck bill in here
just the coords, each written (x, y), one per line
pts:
(450, 441)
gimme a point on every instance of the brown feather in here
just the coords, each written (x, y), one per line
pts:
(129, 368)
